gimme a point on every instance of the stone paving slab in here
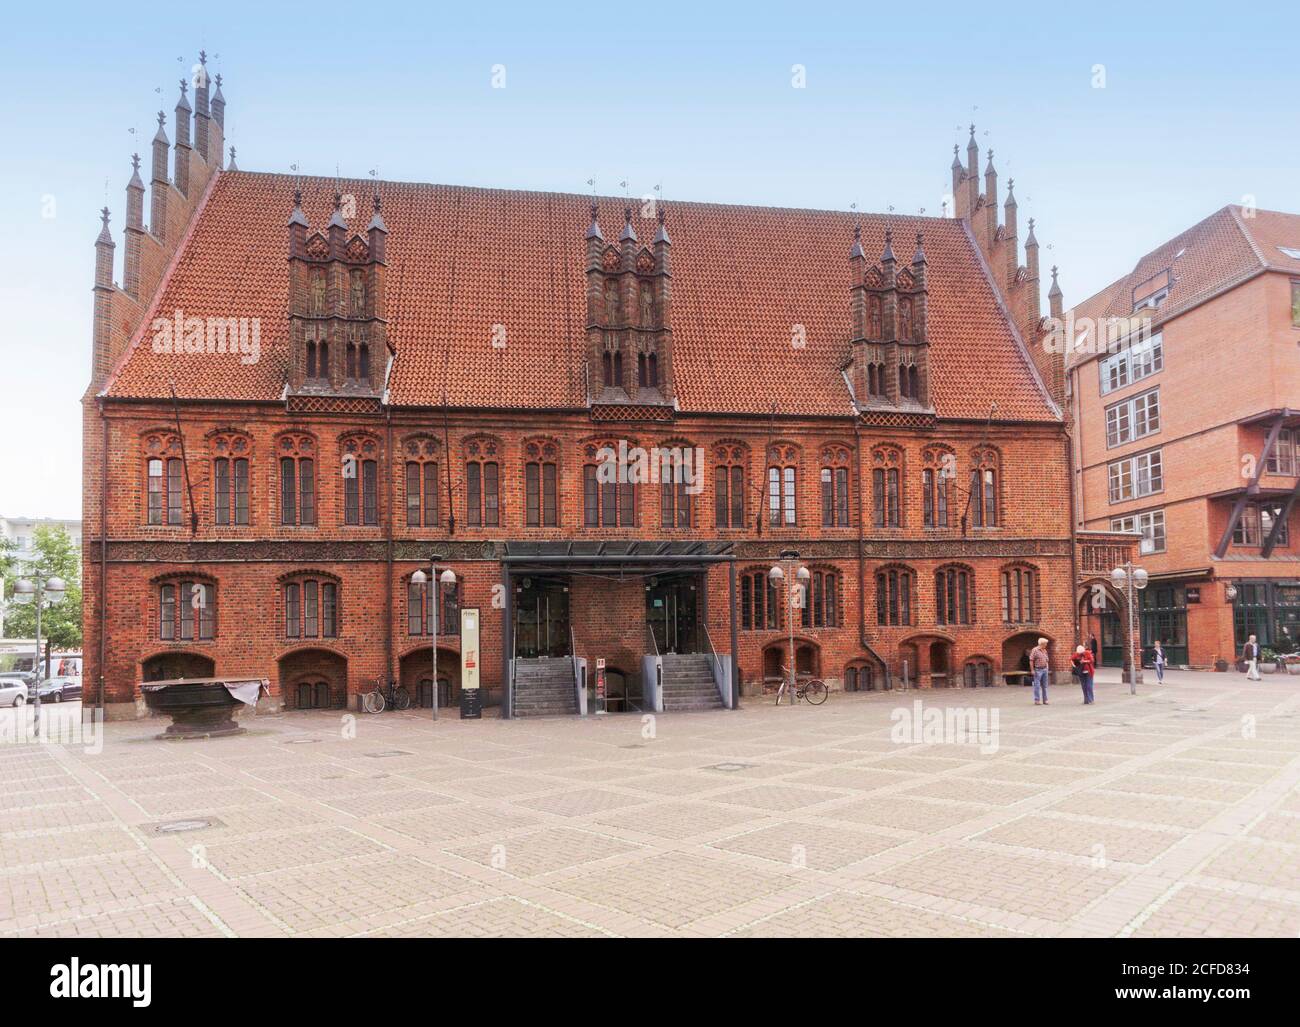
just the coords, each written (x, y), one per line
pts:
(1172, 813)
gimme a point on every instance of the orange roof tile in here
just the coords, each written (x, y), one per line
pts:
(463, 259)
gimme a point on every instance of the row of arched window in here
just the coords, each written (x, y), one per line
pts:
(609, 500)
(815, 604)
(954, 596)
(309, 607)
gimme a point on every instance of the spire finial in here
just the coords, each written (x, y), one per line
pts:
(103, 216)
(184, 88)
(135, 162)
(162, 118)
(218, 80)
(338, 200)
(377, 203)
(593, 210)
(297, 197)
(203, 57)
(972, 130)
(888, 255)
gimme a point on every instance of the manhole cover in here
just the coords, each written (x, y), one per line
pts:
(730, 767)
(178, 826)
(385, 753)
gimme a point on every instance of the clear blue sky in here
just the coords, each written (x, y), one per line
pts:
(1199, 109)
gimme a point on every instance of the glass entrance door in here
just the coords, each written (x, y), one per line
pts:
(541, 618)
(671, 610)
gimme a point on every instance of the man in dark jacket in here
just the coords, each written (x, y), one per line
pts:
(1250, 653)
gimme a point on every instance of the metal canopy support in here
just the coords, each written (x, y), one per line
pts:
(507, 644)
(1280, 522)
(735, 639)
(1239, 507)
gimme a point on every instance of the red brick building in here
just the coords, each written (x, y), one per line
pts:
(1185, 394)
(372, 375)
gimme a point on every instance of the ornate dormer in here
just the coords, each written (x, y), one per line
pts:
(628, 325)
(891, 341)
(337, 325)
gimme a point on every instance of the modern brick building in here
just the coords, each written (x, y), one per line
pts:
(1184, 391)
(433, 372)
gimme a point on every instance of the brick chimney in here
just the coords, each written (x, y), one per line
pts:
(159, 185)
(202, 117)
(857, 288)
(134, 233)
(183, 151)
(101, 333)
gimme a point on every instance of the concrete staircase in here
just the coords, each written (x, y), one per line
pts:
(688, 683)
(544, 688)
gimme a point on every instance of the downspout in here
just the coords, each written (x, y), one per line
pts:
(103, 551)
(1074, 548)
(862, 557)
(388, 577)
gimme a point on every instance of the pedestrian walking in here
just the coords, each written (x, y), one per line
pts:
(1250, 653)
(1040, 665)
(1083, 667)
(1158, 660)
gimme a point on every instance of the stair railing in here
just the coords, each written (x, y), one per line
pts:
(577, 681)
(718, 675)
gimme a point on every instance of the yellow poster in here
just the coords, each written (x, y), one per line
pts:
(469, 651)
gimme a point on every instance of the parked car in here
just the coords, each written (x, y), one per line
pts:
(14, 687)
(56, 689)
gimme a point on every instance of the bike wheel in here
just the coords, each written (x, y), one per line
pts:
(373, 702)
(815, 692)
(401, 699)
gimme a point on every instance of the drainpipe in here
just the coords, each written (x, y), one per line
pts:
(103, 552)
(388, 576)
(1074, 549)
(862, 558)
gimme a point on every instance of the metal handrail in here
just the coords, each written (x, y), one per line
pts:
(514, 659)
(573, 659)
(717, 660)
(654, 646)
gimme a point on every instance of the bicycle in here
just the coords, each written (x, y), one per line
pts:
(377, 701)
(814, 690)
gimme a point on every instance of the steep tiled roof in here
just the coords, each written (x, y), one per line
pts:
(462, 260)
(1228, 247)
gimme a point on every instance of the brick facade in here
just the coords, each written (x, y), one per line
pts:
(1228, 372)
(977, 405)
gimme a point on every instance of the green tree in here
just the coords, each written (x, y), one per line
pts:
(56, 556)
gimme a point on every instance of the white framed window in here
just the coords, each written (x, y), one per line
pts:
(1135, 476)
(1133, 418)
(1138, 358)
(1151, 524)
(1285, 457)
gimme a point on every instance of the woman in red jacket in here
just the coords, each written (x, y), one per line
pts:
(1084, 667)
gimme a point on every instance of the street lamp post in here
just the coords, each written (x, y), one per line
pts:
(795, 580)
(39, 593)
(1133, 580)
(435, 581)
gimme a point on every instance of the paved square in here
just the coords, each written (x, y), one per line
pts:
(1175, 813)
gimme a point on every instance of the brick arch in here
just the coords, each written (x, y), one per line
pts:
(168, 664)
(482, 446)
(784, 451)
(316, 672)
(427, 445)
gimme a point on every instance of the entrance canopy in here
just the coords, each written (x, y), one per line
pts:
(636, 557)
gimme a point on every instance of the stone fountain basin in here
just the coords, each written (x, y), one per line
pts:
(201, 707)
